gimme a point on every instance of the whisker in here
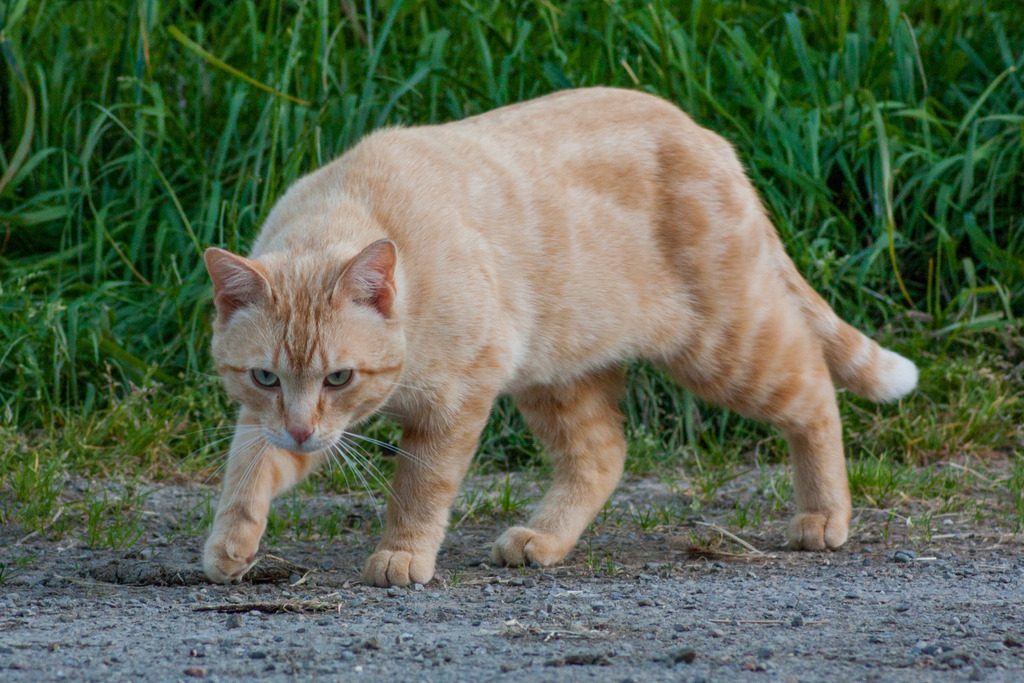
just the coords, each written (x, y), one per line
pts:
(363, 460)
(246, 477)
(242, 446)
(209, 444)
(333, 461)
(415, 458)
(337, 449)
(204, 430)
(235, 430)
(373, 499)
(254, 481)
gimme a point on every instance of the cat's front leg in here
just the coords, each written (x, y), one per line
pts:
(256, 472)
(427, 477)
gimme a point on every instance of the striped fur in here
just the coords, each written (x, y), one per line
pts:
(530, 251)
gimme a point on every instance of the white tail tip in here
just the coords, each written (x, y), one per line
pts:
(898, 377)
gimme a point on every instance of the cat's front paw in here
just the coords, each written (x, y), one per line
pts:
(229, 554)
(398, 568)
(521, 545)
(818, 530)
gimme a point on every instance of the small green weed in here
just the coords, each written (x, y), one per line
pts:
(294, 516)
(652, 516)
(1016, 488)
(876, 480)
(15, 563)
(745, 515)
(113, 521)
(511, 498)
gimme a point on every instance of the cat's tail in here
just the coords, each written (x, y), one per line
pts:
(855, 362)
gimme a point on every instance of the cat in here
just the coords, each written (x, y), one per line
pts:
(530, 251)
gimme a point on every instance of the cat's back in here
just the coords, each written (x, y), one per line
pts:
(569, 127)
(585, 112)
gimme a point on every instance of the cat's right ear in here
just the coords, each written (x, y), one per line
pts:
(237, 281)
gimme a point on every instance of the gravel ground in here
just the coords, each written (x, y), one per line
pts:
(629, 604)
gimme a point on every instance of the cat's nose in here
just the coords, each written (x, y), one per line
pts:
(300, 433)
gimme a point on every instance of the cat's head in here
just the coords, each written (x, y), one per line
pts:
(309, 344)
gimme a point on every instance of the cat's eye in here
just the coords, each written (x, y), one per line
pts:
(265, 378)
(338, 379)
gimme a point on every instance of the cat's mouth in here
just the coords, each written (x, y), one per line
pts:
(311, 445)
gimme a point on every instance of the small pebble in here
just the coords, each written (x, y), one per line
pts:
(196, 672)
(753, 665)
(682, 654)
(797, 621)
(234, 621)
(954, 659)
(904, 556)
(394, 592)
(765, 653)
(417, 586)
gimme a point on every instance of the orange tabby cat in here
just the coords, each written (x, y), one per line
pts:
(529, 250)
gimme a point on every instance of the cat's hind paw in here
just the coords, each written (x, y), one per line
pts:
(398, 568)
(521, 545)
(818, 530)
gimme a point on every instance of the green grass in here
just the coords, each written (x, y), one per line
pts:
(887, 140)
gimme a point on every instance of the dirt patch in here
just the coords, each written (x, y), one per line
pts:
(638, 599)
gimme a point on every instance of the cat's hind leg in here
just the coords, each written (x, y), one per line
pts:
(778, 374)
(581, 426)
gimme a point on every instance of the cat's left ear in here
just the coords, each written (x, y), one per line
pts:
(369, 278)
